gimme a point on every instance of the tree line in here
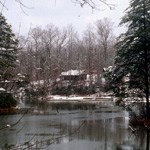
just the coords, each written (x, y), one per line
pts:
(45, 53)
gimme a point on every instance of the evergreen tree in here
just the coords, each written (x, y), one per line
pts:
(8, 56)
(8, 50)
(131, 74)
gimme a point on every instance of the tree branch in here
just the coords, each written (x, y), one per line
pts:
(22, 5)
(3, 5)
(93, 4)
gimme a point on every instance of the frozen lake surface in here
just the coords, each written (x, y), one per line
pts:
(104, 128)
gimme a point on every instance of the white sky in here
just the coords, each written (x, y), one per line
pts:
(60, 13)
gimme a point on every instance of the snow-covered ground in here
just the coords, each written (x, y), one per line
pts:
(78, 98)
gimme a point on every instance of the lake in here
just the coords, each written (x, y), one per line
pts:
(103, 128)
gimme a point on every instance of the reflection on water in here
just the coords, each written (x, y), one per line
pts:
(100, 129)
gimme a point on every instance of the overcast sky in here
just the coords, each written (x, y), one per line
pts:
(60, 13)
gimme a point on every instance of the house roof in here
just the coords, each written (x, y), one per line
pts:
(72, 72)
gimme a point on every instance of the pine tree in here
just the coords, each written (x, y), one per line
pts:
(131, 74)
(8, 50)
(8, 56)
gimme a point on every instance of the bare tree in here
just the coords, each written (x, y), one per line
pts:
(72, 38)
(35, 43)
(59, 46)
(105, 37)
(89, 40)
(49, 40)
(26, 59)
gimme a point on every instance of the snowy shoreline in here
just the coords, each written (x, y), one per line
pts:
(74, 98)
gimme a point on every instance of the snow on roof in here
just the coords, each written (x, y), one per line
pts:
(72, 72)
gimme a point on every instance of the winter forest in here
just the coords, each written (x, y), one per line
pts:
(48, 52)
(70, 86)
(45, 53)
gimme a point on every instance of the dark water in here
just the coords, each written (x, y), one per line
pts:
(104, 128)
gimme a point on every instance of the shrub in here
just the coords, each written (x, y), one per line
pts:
(7, 100)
